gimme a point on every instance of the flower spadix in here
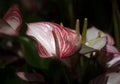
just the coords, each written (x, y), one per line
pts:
(54, 40)
(92, 39)
(11, 21)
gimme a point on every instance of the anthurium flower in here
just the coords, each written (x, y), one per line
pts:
(96, 43)
(109, 56)
(54, 40)
(93, 32)
(100, 42)
(115, 53)
(11, 21)
(95, 40)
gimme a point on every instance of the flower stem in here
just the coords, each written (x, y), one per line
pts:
(65, 73)
(116, 20)
(81, 61)
(70, 12)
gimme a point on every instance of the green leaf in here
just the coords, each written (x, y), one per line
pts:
(9, 77)
(31, 54)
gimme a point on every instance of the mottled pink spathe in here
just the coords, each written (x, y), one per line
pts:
(68, 40)
(116, 55)
(12, 21)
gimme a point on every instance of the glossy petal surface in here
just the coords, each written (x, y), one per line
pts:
(12, 21)
(116, 55)
(97, 43)
(68, 40)
(92, 33)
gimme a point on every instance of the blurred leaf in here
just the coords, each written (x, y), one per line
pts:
(99, 80)
(31, 55)
(8, 59)
(71, 61)
(57, 73)
(7, 76)
(89, 70)
(31, 77)
(66, 10)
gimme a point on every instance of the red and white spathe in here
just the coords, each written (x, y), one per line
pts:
(11, 21)
(53, 39)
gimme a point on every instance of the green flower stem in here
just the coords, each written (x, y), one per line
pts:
(70, 12)
(71, 15)
(83, 41)
(81, 61)
(116, 21)
(65, 73)
(81, 68)
(66, 76)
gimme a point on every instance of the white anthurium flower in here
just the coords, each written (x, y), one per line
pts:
(93, 46)
(93, 32)
(95, 40)
(100, 42)
(11, 21)
(96, 43)
(54, 40)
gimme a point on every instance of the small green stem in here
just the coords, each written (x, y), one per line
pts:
(70, 12)
(64, 71)
(66, 76)
(82, 68)
(81, 61)
(116, 20)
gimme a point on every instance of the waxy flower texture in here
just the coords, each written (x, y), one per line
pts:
(54, 40)
(11, 21)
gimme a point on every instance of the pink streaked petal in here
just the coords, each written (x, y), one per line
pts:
(5, 28)
(116, 55)
(114, 60)
(92, 33)
(13, 18)
(68, 41)
(110, 39)
(43, 34)
(42, 51)
(111, 49)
